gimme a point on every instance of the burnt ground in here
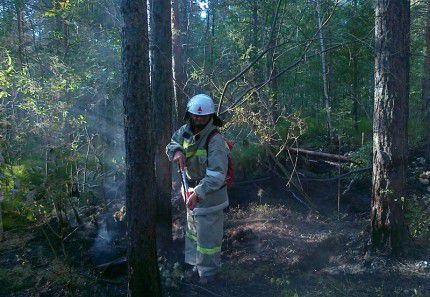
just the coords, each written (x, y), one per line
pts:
(273, 246)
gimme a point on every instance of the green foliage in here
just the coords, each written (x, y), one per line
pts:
(362, 157)
(247, 159)
(314, 135)
(418, 215)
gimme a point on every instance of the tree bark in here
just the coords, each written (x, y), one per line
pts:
(426, 84)
(390, 137)
(324, 72)
(162, 97)
(139, 145)
(179, 40)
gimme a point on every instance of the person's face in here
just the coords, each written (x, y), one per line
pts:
(200, 120)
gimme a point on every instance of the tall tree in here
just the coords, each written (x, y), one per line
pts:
(162, 97)
(390, 137)
(324, 72)
(179, 39)
(139, 144)
(355, 60)
(19, 8)
(426, 83)
(271, 69)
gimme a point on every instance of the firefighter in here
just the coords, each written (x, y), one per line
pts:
(205, 165)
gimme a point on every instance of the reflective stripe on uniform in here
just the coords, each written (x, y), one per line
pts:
(211, 251)
(191, 236)
(218, 176)
(203, 250)
(197, 153)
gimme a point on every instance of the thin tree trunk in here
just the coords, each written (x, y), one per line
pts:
(212, 38)
(143, 275)
(426, 84)
(270, 62)
(355, 75)
(206, 48)
(390, 137)
(162, 97)
(355, 91)
(20, 23)
(324, 72)
(179, 40)
(255, 25)
(254, 39)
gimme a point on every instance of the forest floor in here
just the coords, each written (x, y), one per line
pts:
(273, 246)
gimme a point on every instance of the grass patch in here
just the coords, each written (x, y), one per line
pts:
(258, 211)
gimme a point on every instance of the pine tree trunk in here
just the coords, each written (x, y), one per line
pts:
(162, 97)
(390, 137)
(140, 145)
(179, 39)
(324, 73)
(426, 84)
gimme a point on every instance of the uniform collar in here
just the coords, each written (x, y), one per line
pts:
(206, 130)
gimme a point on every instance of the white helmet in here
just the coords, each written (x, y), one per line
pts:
(201, 104)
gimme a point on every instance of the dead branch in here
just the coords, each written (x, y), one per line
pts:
(115, 263)
(286, 174)
(268, 48)
(320, 155)
(259, 86)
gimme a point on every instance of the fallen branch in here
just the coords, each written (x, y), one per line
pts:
(115, 263)
(320, 154)
(292, 182)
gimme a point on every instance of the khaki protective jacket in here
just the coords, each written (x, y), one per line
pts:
(208, 169)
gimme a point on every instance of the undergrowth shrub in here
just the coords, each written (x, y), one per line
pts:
(418, 216)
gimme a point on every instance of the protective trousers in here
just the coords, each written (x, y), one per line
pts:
(203, 241)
